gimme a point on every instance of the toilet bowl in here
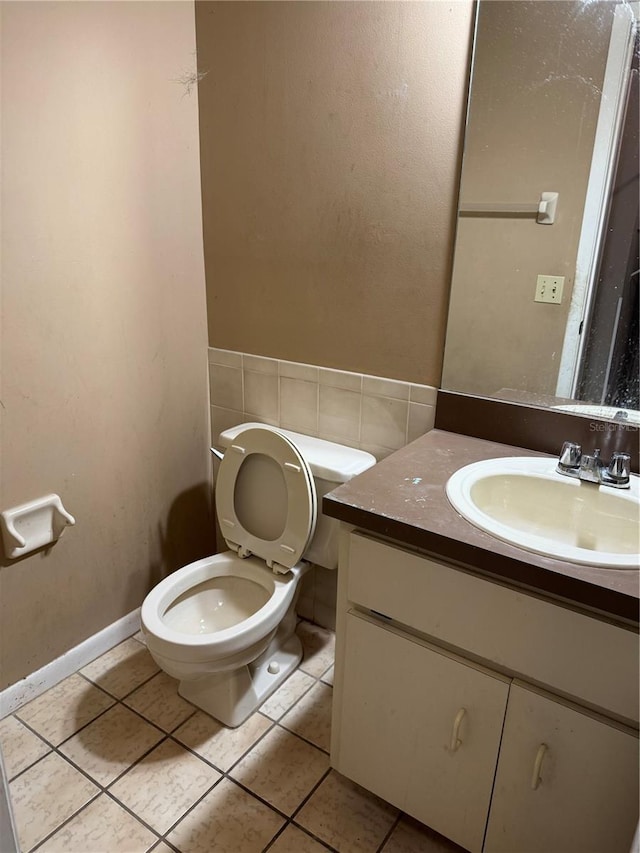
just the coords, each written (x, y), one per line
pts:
(224, 626)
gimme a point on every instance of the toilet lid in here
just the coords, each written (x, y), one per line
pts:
(265, 498)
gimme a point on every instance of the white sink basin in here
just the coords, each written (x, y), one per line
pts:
(625, 416)
(522, 500)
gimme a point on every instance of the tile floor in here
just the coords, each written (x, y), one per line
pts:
(113, 759)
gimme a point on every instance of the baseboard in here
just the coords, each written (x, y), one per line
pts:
(38, 682)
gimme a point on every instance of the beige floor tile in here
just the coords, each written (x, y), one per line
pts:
(109, 745)
(218, 744)
(294, 840)
(282, 769)
(328, 676)
(410, 836)
(311, 716)
(20, 747)
(293, 688)
(158, 700)
(346, 816)
(164, 785)
(122, 669)
(162, 848)
(228, 820)
(102, 827)
(46, 795)
(66, 708)
(319, 648)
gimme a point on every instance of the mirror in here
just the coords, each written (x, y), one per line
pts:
(544, 302)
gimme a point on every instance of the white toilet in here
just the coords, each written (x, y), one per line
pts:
(225, 626)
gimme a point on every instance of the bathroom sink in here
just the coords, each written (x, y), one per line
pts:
(612, 413)
(522, 500)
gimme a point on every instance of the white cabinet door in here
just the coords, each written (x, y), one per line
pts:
(567, 781)
(420, 728)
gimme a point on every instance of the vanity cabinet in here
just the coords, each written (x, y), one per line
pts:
(505, 721)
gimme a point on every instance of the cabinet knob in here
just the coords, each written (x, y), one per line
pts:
(537, 766)
(455, 740)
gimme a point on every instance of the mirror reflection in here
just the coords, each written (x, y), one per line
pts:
(544, 300)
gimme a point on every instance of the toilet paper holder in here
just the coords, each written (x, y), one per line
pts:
(34, 524)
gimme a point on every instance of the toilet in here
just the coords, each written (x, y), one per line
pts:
(224, 626)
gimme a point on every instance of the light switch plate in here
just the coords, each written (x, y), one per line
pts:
(549, 288)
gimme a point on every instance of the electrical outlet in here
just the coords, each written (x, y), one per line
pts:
(549, 288)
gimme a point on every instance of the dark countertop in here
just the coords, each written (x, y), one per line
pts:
(403, 498)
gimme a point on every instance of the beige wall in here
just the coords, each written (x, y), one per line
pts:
(330, 146)
(104, 384)
(535, 96)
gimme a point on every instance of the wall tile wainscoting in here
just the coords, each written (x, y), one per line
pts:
(373, 413)
(113, 759)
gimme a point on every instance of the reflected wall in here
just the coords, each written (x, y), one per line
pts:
(535, 94)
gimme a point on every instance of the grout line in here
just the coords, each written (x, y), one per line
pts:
(149, 720)
(182, 722)
(275, 837)
(133, 689)
(126, 808)
(138, 760)
(232, 766)
(125, 695)
(292, 706)
(324, 844)
(189, 810)
(64, 823)
(259, 798)
(315, 837)
(190, 749)
(306, 799)
(95, 684)
(389, 833)
(39, 758)
(169, 844)
(307, 741)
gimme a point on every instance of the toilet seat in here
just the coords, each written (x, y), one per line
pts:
(296, 510)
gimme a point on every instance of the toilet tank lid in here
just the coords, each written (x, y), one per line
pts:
(326, 459)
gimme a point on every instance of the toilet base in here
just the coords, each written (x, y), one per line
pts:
(233, 696)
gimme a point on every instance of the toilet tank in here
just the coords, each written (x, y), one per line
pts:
(331, 465)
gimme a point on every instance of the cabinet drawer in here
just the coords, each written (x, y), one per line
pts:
(541, 641)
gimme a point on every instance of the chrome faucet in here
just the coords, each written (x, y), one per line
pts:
(572, 462)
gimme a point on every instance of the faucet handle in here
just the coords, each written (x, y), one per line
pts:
(570, 457)
(620, 468)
